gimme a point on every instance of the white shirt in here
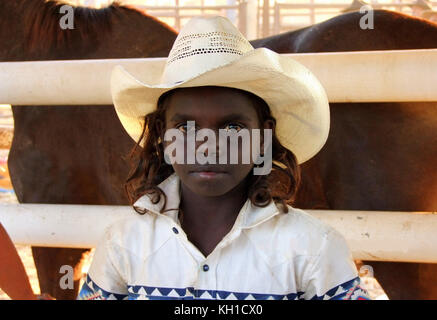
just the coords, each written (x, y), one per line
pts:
(266, 255)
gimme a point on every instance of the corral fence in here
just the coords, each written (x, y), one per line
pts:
(367, 76)
(292, 16)
(255, 18)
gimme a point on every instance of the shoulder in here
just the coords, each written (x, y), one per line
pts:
(294, 234)
(119, 230)
(299, 224)
(137, 233)
(298, 218)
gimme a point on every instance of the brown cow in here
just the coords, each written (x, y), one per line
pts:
(378, 156)
(65, 154)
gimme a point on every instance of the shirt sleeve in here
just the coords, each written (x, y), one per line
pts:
(105, 280)
(333, 275)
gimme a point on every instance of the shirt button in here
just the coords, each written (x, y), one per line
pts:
(175, 230)
(205, 267)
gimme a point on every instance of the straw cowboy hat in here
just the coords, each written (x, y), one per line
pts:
(212, 52)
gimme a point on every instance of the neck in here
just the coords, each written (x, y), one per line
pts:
(212, 212)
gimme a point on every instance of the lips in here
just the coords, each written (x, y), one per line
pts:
(207, 171)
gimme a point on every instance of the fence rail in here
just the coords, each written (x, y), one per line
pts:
(314, 10)
(371, 235)
(404, 75)
(275, 15)
(269, 15)
(180, 12)
(175, 11)
(359, 76)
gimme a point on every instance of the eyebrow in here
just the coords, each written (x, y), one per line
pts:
(236, 116)
(230, 117)
(179, 116)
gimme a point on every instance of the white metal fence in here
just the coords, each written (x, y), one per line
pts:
(177, 12)
(177, 15)
(293, 16)
(371, 235)
(254, 18)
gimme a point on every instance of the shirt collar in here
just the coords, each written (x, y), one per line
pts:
(248, 217)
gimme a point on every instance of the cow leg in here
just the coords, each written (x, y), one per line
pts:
(48, 263)
(402, 280)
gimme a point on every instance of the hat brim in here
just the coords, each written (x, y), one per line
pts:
(296, 98)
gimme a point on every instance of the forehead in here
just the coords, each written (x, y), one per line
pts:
(210, 102)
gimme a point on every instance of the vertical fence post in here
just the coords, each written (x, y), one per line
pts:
(231, 14)
(313, 13)
(251, 22)
(177, 17)
(258, 20)
(277, 19)
(242, 17)
(266, 18)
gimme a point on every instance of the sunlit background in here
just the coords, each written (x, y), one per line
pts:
(260, 18)
(255, 19)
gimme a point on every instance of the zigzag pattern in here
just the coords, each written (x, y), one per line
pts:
(350, 290)
(157, 293)
(91, 291)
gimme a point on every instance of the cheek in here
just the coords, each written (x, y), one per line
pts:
(180, 170)
(240, 171)
(175, 150)
(247, 150)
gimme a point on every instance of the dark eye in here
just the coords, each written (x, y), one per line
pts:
(184, 127)
(233, 126)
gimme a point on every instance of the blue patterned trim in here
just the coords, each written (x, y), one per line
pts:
(189, 293)
(91, 291)
(349, 290)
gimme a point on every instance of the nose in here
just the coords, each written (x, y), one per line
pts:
(207, 148)
(209, 144)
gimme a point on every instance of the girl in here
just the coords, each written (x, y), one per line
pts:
(219, 230)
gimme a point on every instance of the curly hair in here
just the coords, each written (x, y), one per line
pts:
(149, 168)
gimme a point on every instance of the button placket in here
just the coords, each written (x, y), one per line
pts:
(206, 281)
(207, 275)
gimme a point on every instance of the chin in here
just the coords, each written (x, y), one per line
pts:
(209, 186)
(212, 184)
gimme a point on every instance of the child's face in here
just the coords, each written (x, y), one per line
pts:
(213, 108)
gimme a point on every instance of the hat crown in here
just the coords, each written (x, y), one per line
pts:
(203, 44)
